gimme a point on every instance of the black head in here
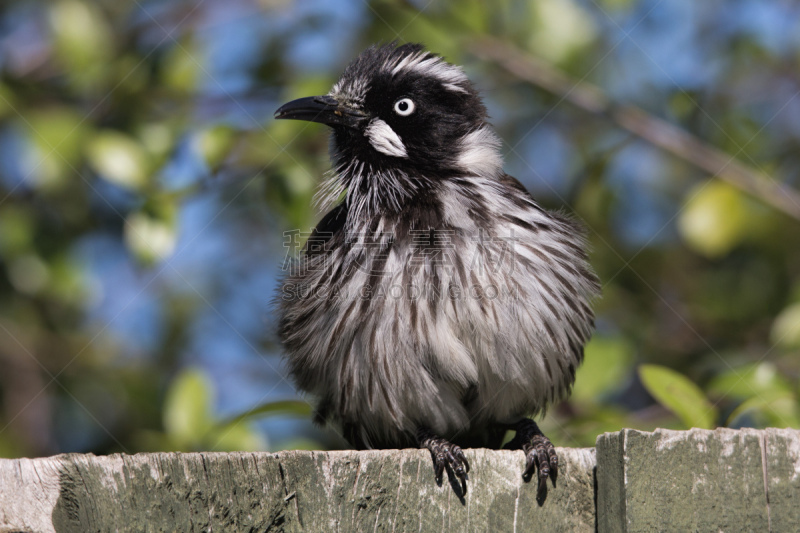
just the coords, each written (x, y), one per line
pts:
(402, 109)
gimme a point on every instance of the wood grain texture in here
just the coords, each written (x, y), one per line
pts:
(699, 480)
(390, 490)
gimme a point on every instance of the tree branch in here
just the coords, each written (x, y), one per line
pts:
(657, 131)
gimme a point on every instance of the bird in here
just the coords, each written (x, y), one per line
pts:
(436, 304)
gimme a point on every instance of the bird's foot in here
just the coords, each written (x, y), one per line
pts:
(445, 453)
(539, 453)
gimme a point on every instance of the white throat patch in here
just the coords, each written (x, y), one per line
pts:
(383, 138)
(479, 153)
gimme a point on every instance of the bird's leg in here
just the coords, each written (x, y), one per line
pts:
(539, 452)
(444, 453)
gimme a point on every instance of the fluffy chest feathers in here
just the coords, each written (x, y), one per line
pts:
(437, 305)
(468, 306)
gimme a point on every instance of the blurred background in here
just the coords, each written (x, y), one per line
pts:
(145, 192)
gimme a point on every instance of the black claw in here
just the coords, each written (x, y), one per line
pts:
(463, 459)
(544, 463)
(439, 468)
(530, 466)
(553, 465)
(540, 454)
(445, 454)
(542, 485)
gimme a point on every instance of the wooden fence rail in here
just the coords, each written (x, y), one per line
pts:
(698, 480)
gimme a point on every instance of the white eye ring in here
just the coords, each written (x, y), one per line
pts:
(404, 107)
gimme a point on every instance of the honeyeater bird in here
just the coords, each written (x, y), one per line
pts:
(436, 304)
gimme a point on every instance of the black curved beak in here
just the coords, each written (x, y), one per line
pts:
(322, 109)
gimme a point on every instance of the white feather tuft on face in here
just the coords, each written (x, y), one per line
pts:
(479, 153)
(425, 64)
(350, 92)
(383, 138)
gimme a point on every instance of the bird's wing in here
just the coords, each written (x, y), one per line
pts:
(525, 196)
(514, 183)
(330, 226)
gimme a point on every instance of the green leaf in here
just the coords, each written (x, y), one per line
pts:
(7, 100)
(680, 395)
(235, 438)
(151, 234)
(11, 447)
(560, 28)
(786, 328)
(83, 41)
(56, 135)
(182, 66)
(296, 408)
(213, 144)
(28, 273)
(17, 229)
(778, 409)
(299, 443)
(67, 282)
(157, 138)
(187, 408)
(119, 158)
(715, 219)
(748, 381)
(605, 365)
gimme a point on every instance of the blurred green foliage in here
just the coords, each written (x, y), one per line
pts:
(145, 189)
(679, 395)
(190, 424)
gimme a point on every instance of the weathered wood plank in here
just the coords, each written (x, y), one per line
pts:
(391, 490)
(699, 480)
